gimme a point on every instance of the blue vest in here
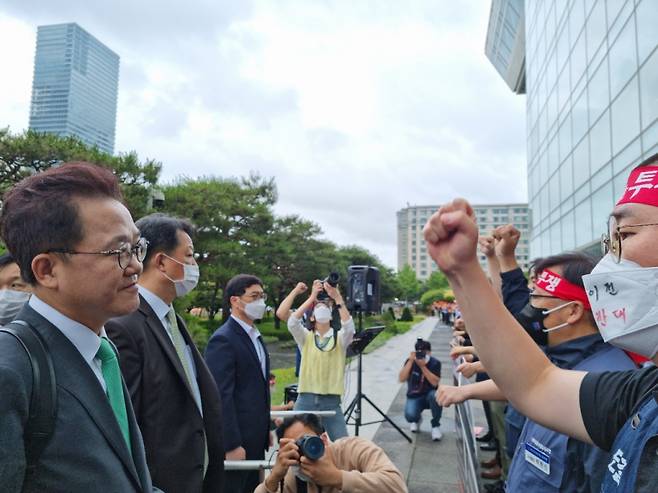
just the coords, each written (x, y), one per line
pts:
(622, 469)
(548, 461)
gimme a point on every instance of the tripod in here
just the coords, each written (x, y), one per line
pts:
(355, 406)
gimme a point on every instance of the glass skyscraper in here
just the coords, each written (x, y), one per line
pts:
(74, 91)
(591, 72)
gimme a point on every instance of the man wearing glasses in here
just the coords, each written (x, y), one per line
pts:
(617, 411)
(78, 248)
(238, 359)
(174, 395)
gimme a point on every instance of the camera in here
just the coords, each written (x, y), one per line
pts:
(420, 354)
(332, 279)
(310, 446)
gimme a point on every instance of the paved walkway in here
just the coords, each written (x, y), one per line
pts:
(427, 466)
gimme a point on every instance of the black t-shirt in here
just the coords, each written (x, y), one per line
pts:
(608, 400)
(417, 384)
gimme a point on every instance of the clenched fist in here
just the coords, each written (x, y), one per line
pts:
(452, 236)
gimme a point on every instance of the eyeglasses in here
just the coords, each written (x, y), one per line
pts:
(611, 241)
(256, 296)
(124, 253)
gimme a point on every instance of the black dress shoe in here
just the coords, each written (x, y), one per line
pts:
(487, 437)
(489, 446)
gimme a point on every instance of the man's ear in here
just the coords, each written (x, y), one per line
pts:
(325, 438)
(46, 267)
(576, 312)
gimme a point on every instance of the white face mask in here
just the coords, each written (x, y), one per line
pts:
(190, 278)
(255, 309)
(11, 302)
(624, 304)
(322, 314)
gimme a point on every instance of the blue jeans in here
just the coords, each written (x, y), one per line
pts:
(415, 405)
(334, 425)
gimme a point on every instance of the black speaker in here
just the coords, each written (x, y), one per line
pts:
(363, 289)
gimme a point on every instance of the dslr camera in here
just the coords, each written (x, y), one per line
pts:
(421, 348)
(310, 446)
(332, 279)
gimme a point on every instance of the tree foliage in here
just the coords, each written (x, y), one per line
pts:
(409, 284)
(31, 152)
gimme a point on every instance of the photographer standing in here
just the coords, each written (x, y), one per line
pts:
(323, 348)
(422, 374)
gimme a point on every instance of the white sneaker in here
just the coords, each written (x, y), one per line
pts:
(436, 434)
(413, 427)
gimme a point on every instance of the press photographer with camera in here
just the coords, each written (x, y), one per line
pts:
(323, 346)
(422, 373)
(308, 461)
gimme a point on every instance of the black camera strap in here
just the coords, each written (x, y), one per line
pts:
(302, 487)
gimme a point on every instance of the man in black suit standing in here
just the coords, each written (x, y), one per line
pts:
(77, 246)
(238, 359)
(174, 395)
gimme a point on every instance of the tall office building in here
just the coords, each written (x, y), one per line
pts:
(591, 77)
(74, 91)
(411, 244)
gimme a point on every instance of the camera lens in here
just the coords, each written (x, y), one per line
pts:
(311, 446)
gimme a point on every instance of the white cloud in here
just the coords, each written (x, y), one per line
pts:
(356, 108)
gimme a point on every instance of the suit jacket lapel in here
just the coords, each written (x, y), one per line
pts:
(74, 375)
(154, 324)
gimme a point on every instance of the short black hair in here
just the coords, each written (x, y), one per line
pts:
(6, 259)
(161, 230)
(308, 420)
(41, 212)
(574, 266)
(651, 160)
(423, 345)
(238, 285)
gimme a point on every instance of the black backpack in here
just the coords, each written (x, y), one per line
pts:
(43, 401)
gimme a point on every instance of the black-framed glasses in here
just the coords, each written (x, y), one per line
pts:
(611, 241)
(124, 253)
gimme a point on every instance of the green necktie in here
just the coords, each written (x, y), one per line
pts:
(113, 385)
(179, 345)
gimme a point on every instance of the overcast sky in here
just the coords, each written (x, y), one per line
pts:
(356, 108)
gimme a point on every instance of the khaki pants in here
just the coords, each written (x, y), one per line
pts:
(498, 421)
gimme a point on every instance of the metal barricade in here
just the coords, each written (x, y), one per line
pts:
(466, 444)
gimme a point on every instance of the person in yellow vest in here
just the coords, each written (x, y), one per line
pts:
(323, 346)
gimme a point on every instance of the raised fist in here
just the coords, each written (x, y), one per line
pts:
(507, 237)
(487, 246)
(452, 235)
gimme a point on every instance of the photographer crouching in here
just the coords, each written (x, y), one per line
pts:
(422, 373)
(323, 346)
(309, 462)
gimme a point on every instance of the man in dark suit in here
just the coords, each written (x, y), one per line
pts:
(238, 359)
(79, 249)
(174, 395)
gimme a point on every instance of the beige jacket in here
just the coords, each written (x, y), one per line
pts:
(365, 466)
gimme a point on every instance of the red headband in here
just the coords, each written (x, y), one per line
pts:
(641, 187)
(554, 283)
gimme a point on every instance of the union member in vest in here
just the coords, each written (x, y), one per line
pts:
(174, 395)
(323, 348)
(617, 411)
(78, 247)
(545, 460)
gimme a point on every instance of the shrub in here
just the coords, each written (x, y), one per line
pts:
(406, 315)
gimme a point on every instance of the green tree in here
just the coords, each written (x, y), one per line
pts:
(356, 255)
(31, 152)
(409, 284)
(431, 296)
(437, 280)
(233, 218)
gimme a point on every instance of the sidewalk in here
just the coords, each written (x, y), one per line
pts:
(428, 466)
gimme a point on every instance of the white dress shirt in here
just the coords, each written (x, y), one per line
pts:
(254, 334)
(161, 310)
(82, 337)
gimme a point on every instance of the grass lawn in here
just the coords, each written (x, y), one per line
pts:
(388, 333)
(284, 377)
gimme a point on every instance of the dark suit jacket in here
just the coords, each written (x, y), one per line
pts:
(166, 411)
(87, 450)
(245, 393)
